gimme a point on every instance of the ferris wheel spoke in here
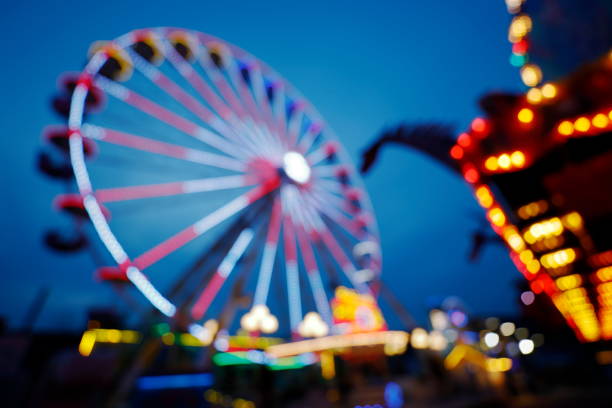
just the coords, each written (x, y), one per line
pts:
(175, 188)
(340, 257)
(203, 269)
(259, 89)
(326, 199)
(227, 113)
(162, 114)
(229, 94)
(291, 266)
(317, 156)
(323, 171)
(262, 126)
(335, 198)
(162, 148)
(220, 107)
(181, 96)
(200, 227)
(349, 225)
(331, 185)
(271, 133)
(310, 137)
(293, 126)
(280, 111)
(221, 274)
(220, 82)
(312, 271)
(242, 122)
(269, 255)
(197, 82)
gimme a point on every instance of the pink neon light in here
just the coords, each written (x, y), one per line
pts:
(275, 221)
(225, 90)
(183, 97)
(205, 299)
(307, 253)
(144, 143)
(135, 192)
(338, 217)
(165, 248)
(245, 96)
(289, 240)
(205, 91)
(162, 114)
(336, 251)
(168, 149)
(188, 234)
(166, 189)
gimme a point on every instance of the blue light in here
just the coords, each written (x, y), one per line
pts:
(394, 396)
(162, 382)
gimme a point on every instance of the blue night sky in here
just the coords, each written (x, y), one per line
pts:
(363, 66)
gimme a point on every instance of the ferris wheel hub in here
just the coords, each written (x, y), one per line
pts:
(296, 167)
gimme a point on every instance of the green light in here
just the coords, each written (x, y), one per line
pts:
(518, 60)
(286, 367)
(227, 359)
(241, 358)
(161, 328)
(287, 363)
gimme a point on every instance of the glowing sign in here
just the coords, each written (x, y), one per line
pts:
(356, 313)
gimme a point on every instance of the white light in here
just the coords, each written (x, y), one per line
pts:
(491, 339)
(296, 167)
(438, 319)
(249, 322)
(507, 328)
(419, 338)
(526, 346)
(312, 326)
(260, 311)
(269, 324)
(148, 290)
(437, 341)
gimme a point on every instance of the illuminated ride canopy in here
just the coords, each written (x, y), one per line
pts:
(191, 154)
(541, 166)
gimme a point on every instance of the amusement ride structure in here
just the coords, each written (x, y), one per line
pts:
(540, 162)
(190, 154)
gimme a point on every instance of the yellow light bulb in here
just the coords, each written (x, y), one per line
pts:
(565, 128)
(518, 158)
(600, 121)
(491, 163)
(504, 161)
(549, 91)
(534, 96)
(525, 115)
(582, 124)
(531, 74)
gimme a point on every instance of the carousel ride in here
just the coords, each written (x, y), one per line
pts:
(214, 186)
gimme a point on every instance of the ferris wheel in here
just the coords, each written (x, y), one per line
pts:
(200, 158)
